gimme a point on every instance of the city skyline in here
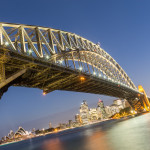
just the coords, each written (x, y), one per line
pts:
(55, 118)
(121, 29)
(85, 115)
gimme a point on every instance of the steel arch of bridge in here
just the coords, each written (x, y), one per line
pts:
(64, 49)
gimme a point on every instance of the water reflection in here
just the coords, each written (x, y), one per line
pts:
(131, 134)
(97, 141)
(53, 144)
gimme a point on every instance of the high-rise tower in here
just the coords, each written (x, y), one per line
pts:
(101, 110)
(84, 112)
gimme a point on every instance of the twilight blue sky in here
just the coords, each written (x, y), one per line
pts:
(121, 26)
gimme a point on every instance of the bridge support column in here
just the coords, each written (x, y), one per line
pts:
(13, 77)
(136, 104)
(143, 98)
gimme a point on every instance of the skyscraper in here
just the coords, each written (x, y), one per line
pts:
(101, 110)
(84, 112)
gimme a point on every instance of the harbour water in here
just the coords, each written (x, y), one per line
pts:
(129, 134)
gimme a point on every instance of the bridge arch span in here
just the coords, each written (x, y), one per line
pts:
(53, 45)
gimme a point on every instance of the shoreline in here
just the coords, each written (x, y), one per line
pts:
(56, 132)
(79, 128)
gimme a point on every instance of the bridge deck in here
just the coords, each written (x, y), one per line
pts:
(49, 77)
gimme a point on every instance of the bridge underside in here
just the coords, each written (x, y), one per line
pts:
(50, 77)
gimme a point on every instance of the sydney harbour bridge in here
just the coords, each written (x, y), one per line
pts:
(52, 59)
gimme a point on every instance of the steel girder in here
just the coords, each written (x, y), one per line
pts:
(63, 48)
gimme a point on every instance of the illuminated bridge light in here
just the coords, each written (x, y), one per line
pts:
(109, 78)
(6, 43)
(30, 51)
(60, 61)
(47, 57)
(44, 93)
(82, 78)
(94, 73)
(80, 68)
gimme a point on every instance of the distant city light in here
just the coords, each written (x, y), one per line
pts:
(55, 130)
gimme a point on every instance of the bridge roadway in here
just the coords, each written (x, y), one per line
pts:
(49, 77)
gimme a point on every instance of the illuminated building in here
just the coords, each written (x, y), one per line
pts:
(78, 119)
(108, 111)
(11, 134)
(20, 133)
(76, 124)
(84, 112)
(101, 110)
(93, 114)
(126, 103)
(114, 109)
(70, 124)
(62, 126)
(118, 103)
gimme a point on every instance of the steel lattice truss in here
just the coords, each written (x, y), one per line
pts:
(64, 49)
